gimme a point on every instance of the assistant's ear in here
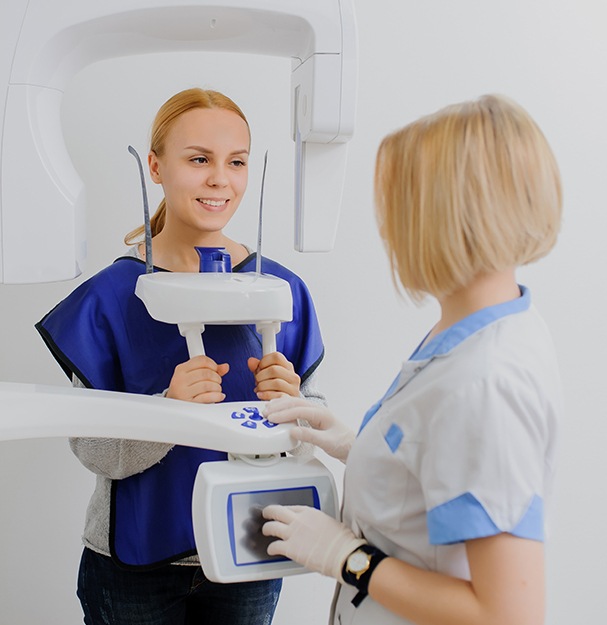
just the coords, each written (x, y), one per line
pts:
(154, 166)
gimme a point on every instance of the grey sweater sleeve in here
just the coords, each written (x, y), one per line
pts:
(116, 458)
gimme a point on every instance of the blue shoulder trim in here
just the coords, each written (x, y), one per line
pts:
(465, 518)
(451, 337)
(377, 405)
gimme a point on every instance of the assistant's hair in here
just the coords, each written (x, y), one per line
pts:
(472, 188)
(169, 112)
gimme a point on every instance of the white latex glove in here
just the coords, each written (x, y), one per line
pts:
(326, 431)
(310, 537)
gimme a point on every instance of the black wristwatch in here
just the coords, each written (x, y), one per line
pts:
(359, 566)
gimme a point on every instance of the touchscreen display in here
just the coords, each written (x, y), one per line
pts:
(248, 544)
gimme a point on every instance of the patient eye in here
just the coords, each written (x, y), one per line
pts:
(199, 160)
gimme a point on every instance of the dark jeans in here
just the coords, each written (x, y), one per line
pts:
(171, 595)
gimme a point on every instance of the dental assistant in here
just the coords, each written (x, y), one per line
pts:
(448, 481)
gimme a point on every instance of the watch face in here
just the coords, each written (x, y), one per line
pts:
(358, 561)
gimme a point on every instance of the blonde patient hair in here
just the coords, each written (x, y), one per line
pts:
(166, 117)
(473, 188)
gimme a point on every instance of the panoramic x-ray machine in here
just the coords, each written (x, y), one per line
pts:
(43, 43)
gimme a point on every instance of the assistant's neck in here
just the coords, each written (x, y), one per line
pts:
(484, 290)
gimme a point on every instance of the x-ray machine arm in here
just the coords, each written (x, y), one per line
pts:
(43, 43)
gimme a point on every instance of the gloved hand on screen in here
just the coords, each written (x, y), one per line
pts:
(310, 537)
(326, 431)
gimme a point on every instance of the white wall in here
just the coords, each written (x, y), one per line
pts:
(415, 57)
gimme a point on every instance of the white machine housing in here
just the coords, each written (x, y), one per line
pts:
(39, 411)
(193, 300)
(226, 512)
(227, 494)
(43, 43)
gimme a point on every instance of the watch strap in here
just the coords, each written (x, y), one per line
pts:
(362, 582)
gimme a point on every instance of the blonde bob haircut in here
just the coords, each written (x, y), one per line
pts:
(166, 117)
(471, 189)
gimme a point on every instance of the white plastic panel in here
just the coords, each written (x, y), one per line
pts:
(317, 217)
(215, 298)
(42, 194)
(228, 534)
(36, 411)
(60, 37)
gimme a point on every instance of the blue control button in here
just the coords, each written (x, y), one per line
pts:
(249, 424)
(252, 410)
(238, 415)
(269, 424)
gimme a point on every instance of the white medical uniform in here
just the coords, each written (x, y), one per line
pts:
(461, 447)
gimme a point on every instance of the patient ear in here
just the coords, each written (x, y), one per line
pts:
(154, 167)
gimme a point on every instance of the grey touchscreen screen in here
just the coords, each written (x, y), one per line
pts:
(248, 544)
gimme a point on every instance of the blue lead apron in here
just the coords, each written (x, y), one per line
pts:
(103, 334)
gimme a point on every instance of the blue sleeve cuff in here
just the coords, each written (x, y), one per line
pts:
(465, 518)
